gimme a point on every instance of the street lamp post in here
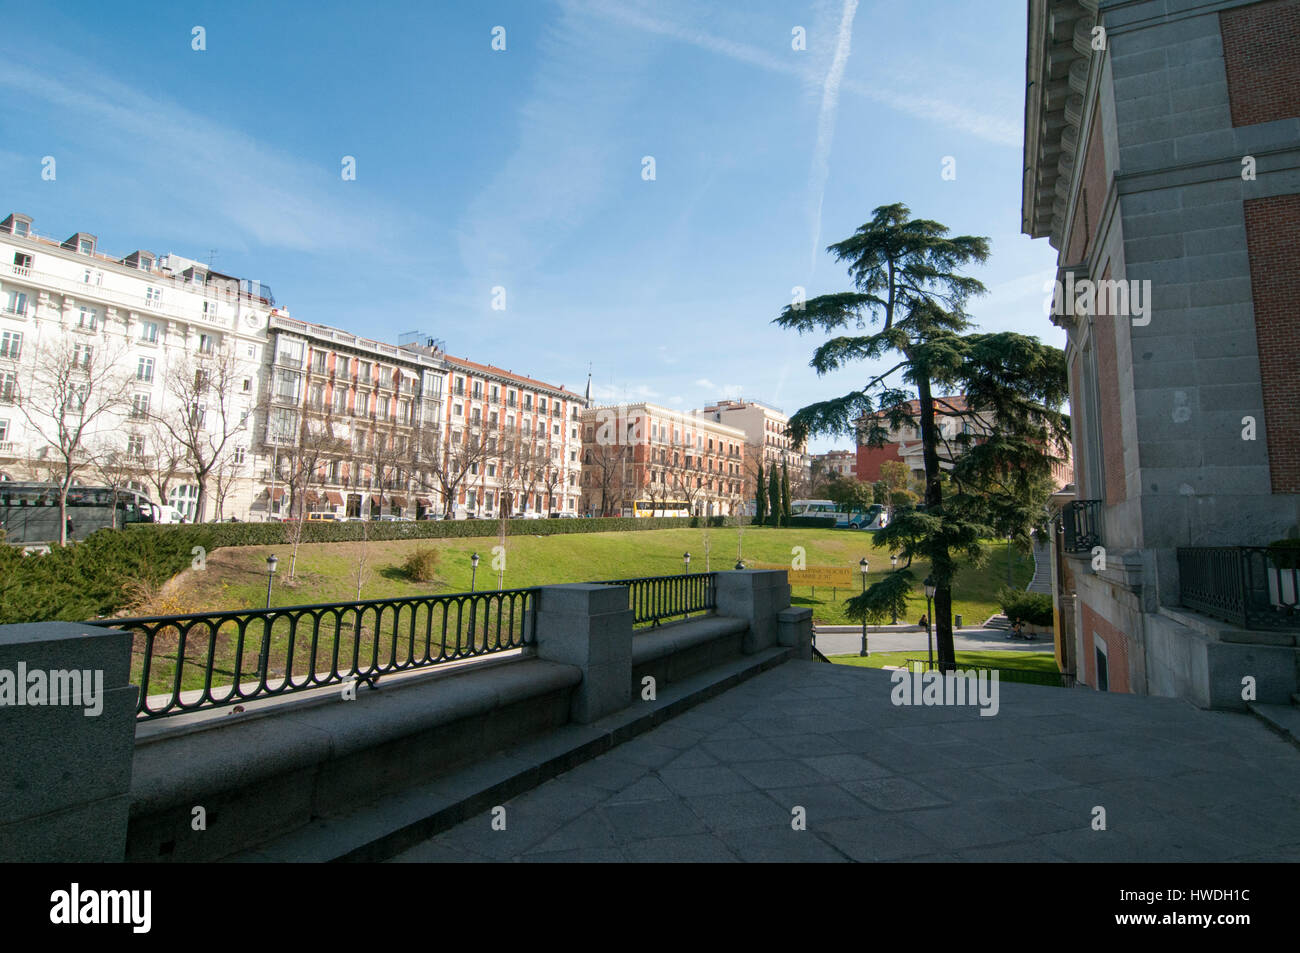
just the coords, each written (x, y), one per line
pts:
(862, 566)
(1008, 560)
(271, 562)
(686, 558)
(893, 565)
(473, 570)
(929, 594)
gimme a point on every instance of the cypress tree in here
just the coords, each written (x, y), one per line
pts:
(774, 496)
(785, 493)
(760, 495)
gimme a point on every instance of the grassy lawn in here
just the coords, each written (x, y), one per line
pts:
(1029, 661)
(235, 578)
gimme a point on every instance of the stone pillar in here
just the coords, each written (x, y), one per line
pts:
(756, 595)
(591, 627)
(66, 776)
(795, 628)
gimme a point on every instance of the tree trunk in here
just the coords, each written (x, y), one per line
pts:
(940, 562)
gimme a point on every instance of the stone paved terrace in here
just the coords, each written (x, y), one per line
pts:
(887, 783)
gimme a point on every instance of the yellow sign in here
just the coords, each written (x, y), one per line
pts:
(830, 576)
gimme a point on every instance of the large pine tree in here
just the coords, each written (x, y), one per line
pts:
(905, 272)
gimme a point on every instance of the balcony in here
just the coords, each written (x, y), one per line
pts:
(1250, 586)
(8, 449)
(1081, 523)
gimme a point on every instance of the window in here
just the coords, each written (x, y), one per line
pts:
(492, 419)
(247, 385)
(153, 296)
(457, 410)
(87, 319)
(363, 373)
(144, 369)
(205, 343)
(342, 366)
(140, 406)
(555, 430)
(478, 390)
(496, 394)
(240, 454)
(283, 424)
(541, 405)
(79, 395)
(135, 446)
(363, 405)
(8, 385)
(492, 469)
(290, 353)
(252, 352)
(11, 345)
(317, 398)
(17, 303)
(4, 430)
(85, 246)
(459, 390)
(385, 377)
(511, 399)
(149, 332)
(475, 416)
(286, 386)
(81, 355)
(528, 401)
(20, 228)
(340, 400)
(318, 362)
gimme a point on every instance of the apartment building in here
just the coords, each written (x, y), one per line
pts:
(1162, 161)
(764, 428)
(644, 453)
(163, 353)
(351, 424)
(514, 443)
(835, 464)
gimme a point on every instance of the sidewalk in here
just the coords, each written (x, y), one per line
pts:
(847, 640)
(880, 782)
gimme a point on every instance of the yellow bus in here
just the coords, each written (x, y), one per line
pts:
(642, 508)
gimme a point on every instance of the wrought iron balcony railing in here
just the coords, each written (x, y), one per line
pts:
(1250, 586)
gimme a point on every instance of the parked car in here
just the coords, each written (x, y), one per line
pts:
(393, 518)
(324, 518)
(432, 516)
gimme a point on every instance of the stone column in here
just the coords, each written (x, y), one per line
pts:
(589, 626)
(794, 626)
(66, 755)
(756, 595)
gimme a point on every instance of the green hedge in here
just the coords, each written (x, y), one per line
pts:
(1034, 608)
(94, 577)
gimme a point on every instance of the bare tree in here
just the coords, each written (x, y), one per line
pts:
(445, 464)
(201, 413)
(224, 473)
(115, 466)
(316, 444)
(74, 390)
(165, 461)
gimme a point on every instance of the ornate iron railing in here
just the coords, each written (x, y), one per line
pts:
(655, 598)
(1249, 586)
(1081, 521)
(184, 663)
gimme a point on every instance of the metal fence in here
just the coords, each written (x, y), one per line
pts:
(1249, 586)
(203, 660)
(655, 598)
(1022, 675)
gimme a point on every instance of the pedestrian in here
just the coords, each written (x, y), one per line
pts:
(69, 527)
(923, 622)
(1017, 627)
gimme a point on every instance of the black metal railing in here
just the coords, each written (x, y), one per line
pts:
(1081, 522)
(1022, 675)
(656, 598)
(184, 663)
(818, 657)
(1249, 586)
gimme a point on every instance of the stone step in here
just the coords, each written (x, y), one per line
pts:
(1283, 719)
(998, 622)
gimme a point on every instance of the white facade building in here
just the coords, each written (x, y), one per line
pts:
(142, 319)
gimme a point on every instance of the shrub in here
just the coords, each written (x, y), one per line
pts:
(1034, 608)
(422, 565)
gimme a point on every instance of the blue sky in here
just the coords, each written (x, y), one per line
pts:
(522, 169)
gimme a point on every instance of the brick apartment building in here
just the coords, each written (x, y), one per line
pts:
(1162, 145)
(652, 455)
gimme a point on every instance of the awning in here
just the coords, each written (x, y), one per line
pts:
(397, 502)
(423, 501)
(276, 494)
(311, 496)
(335, 498)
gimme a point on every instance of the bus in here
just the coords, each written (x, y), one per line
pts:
(641, 508)
(29, 512)
(872, 517)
